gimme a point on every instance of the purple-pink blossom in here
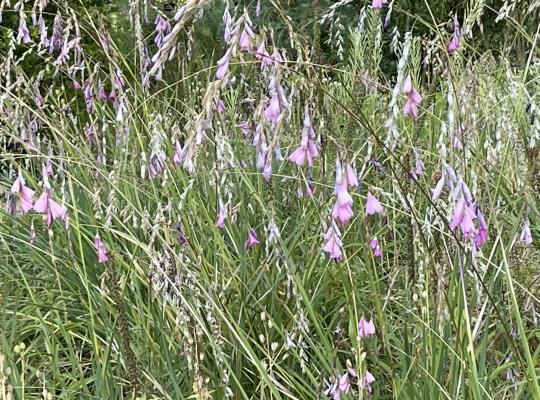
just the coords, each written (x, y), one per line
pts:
(46, 205)
(373, 206)
(377, 3)
(101, 250)
(376, 247)
(307, 149)
(526, 236)
(413, 98)
(342, 210)
(20, 197)
(366, 381)
(251, 239)
(334, 245)
(366, 328)
(464, 214)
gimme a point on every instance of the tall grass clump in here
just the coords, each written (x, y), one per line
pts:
(243, 206)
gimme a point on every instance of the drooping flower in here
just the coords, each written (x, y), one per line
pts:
(344, 384)
(526, 236)
(219, 105)
(376, 247)
(273, 111)
(352, 177)
(367, 380)
(464, 214)
(343, 208)
(251, 240)
(20, 197)
(418, 170)
(222, 214)
(46, 205)
(244, 127)
(101, 250)
(24, 33)
(373, 206)
(223, 65)
(366, 328)
(102, 95)
(262, 54)
(307, 150)
(377, 3)
(413, 98)
(439, 187)
(334, 245)
(481, 234)
(456, 38)
(178, 157)
(162, 27)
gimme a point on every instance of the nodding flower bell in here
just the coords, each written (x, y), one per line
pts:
(101, 250)
(334, 245)
(456, 38)
(262, 54)
(366, 381)
(376, 247)
(46, 205)
(377, 4)
(223, 65)
(464, 214)
(251, 240)
(307, 150)
(342, 210)
(373, 206)
(526, 236)
(366, 328)
(20, 197)
(222, 214)
(413, 98)
(481, 234)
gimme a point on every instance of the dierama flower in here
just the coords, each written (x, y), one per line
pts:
(101, 250)
(413, 98)
(334, 245)
(481, 235)
(439, 187)
(352, 177)
(24, 33)
(251, 240)
(20, 197)
(102, 95)
(377, 3)
(343, 208)
(366, 328)
(418, 169)
(223, 66)
(178, 157)
(376, 247)
(273, 111)
(262, 54)
(526, 236)
(373, 206)
(222, 214)
(367, 380)
(219, 105)
(344, 384)
(244, 127)
(46, 205)
(307, 150)
(456, 39)
(464, 214)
